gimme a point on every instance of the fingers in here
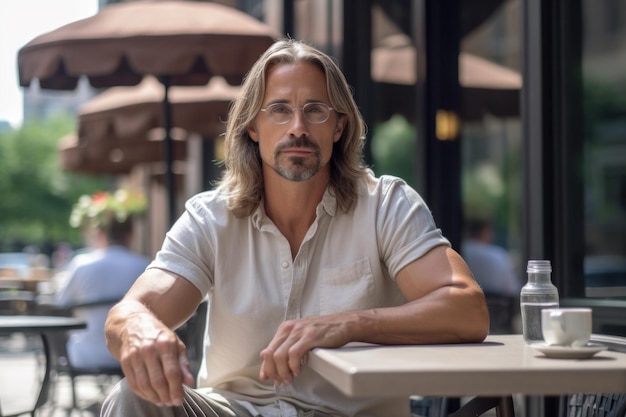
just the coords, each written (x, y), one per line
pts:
(188, 378)
(288, 350)
(283, 358)
(280, 367)
(156, 370)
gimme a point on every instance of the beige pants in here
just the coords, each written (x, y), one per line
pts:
(122, 402)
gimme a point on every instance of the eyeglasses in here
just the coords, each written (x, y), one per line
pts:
(281, 113)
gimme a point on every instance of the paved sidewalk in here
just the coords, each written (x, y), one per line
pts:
(21, 372)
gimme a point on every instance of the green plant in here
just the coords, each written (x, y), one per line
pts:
(101, 208)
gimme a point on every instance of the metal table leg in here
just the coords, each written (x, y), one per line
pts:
(45, 384)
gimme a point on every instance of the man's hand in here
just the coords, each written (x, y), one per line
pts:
(139, 335)
(154, 360)
(288, 349)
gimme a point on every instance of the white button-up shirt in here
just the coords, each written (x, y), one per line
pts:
(347, 261)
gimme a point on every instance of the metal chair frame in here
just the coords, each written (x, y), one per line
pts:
(61, 364)
(597, 405)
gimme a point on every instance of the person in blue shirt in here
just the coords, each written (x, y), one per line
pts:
(100, 277)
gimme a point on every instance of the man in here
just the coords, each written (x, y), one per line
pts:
(494, 272)
(99, 277)
(299, 247)
(489, 263)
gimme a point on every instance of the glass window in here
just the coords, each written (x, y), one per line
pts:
(603, 66)
(394, 137)
(490, 78)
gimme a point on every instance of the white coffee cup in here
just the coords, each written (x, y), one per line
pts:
(566, 326)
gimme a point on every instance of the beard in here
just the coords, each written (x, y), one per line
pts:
(296, 168)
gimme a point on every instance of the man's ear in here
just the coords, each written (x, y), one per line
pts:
(252, 132)
(339, 127)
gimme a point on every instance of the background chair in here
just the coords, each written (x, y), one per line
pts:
(597, 405)
(103, 376)
(503, 310)
(192, 335)
(474, 407)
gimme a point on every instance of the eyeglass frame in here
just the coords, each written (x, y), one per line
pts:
(293, 111)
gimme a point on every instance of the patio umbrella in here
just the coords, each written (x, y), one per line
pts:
(181, 43)
(488, 87)
(126, 114)
(117, 156)
(119, 128)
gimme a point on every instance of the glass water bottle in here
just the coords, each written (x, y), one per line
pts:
(537, 294)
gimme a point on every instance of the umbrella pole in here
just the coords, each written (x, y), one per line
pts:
(168, 152)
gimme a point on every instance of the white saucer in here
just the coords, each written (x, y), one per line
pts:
(569, 352)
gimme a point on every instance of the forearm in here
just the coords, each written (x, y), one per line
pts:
(448, 315)
(158, 301)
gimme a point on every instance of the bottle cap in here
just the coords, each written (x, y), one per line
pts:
(539, 266)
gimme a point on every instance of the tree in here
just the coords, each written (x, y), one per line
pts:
(394, 147)
(36, 194)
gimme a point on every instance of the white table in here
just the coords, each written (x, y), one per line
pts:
(499, 367)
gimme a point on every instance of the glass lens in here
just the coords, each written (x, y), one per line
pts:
(316, 112)
(280, 113)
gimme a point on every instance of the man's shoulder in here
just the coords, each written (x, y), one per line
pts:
(120, 252)
(371, 180)
(208, 200)
(485, 254)
(113, 256)
(386, 187)
(208, 208)
(85, 257)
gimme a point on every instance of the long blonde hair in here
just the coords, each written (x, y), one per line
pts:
(242, 179)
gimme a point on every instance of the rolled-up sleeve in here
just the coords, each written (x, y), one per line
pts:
(405, 225)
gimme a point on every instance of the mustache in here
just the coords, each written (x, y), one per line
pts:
(300, 142)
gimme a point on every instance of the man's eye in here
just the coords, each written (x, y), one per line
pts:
(315, 109)
(281, 110)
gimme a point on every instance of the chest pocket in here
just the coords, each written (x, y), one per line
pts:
(347, 287)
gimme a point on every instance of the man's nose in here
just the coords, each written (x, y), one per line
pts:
(298, 125)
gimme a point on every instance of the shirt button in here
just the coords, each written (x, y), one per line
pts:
(285, 264)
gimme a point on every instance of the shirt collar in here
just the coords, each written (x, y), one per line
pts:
(328, 204)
